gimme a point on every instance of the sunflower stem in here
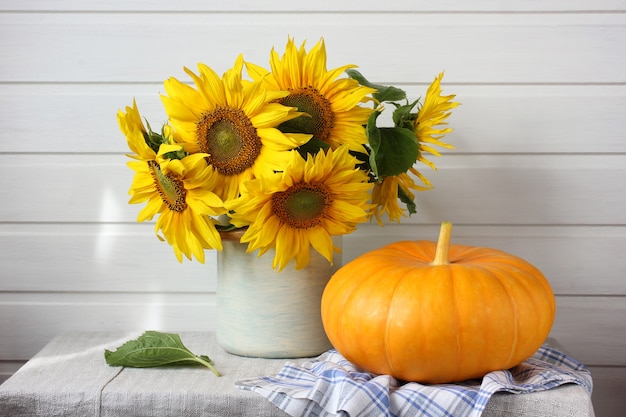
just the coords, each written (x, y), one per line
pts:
(443, 245)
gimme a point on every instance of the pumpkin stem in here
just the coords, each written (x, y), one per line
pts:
(443, 245)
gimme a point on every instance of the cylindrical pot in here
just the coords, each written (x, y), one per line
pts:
(269, 314)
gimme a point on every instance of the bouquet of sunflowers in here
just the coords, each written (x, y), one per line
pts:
(293, 154)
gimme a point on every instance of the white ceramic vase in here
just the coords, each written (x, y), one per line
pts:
(268, 314)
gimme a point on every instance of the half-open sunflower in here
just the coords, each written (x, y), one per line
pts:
(428, 130)
(179, 191)
(430, 119)
(303, 206)
(234, 123)
(182, 197)
(386, 196)
(135, 132)
(332, 104)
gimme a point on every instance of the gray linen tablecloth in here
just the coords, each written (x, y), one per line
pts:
(69, 377)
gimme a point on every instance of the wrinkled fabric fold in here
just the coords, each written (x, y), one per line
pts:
(329, 385)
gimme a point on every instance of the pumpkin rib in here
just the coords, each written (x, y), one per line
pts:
(456, 309)
(516, 324)
(515, 282)
(353, 294)
(345, 289)
(531, 283)
(482, 296)
(532, 273)
(363, 279)
(486, 279)
(389, 323)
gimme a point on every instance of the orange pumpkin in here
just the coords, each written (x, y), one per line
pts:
(434, 312)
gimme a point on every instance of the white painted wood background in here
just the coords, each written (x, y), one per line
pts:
(539, 168)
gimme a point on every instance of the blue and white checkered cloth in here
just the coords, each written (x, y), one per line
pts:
(330, 385)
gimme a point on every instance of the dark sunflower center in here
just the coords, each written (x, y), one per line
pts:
(302, 205)
(309, 100)
(230, 139)
(171, 190)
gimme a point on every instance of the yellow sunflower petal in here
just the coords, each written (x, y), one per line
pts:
(322, 242)
(211, 85)
(432, 115)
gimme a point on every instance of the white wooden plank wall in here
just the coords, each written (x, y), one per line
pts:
(539, 168)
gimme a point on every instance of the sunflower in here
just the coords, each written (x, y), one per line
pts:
(385, 195)
(133, 128)
(235, 124)
(331, 104)
(181, 194)
(433, 113)
(303, 206)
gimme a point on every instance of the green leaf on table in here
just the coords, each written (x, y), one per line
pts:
(153, 349)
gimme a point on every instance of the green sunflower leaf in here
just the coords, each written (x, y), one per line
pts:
(402, 116)
(396, 152)
(364, 163)
(154, 349)
(313, 146)
(153, 139)
(383, 93)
